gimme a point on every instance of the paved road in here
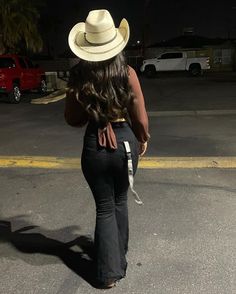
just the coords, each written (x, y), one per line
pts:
(180, 92)
(182, 241)
(40, 130)
(168, 92)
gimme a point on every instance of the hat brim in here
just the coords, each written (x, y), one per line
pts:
(87, 51)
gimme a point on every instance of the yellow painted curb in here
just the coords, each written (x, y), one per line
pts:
(48, 162)
(39, 162)
(187, 162)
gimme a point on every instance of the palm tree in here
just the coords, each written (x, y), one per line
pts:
(19, 24)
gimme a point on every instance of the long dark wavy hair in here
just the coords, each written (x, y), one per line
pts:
(102, 88)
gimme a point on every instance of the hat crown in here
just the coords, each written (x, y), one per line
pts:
(99, 27)
(98, 21)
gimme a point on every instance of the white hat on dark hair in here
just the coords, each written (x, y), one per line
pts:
(98, 39)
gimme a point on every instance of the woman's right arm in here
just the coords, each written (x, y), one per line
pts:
(74, 113)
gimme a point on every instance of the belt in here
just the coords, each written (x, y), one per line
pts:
(118, 120)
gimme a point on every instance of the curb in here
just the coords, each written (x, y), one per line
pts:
(191, 112)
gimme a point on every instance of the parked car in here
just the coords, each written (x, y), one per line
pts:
(18, 74)
(175, 61)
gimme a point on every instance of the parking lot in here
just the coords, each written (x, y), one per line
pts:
(182, 241)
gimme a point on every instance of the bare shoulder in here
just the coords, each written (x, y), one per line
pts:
(131, 69)
(132, 72)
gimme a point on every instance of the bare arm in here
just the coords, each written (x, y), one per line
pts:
(137, 109)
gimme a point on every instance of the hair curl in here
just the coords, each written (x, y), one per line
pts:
(102, 88)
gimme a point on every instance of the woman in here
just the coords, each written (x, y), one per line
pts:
(105, 93)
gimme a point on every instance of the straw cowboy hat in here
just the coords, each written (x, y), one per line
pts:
(98, 39)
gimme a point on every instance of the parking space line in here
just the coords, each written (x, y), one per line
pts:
(50, 162)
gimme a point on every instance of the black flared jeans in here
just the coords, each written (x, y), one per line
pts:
(106, 172)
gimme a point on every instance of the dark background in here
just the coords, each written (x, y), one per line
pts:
(162, 20)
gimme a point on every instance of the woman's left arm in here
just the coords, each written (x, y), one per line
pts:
(75, 115)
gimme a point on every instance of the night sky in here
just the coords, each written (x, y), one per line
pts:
(163, 19)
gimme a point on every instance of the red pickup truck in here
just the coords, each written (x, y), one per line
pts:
(18, 74)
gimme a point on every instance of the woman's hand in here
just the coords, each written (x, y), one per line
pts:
(142, 148)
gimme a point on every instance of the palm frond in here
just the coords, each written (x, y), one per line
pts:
(19, 21)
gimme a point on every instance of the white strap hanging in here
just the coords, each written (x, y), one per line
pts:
(131, 173)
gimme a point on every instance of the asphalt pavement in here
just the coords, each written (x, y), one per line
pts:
(182, 240)
(180, 92)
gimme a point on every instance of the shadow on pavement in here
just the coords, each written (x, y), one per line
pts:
(80, 262)
(27, 97)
